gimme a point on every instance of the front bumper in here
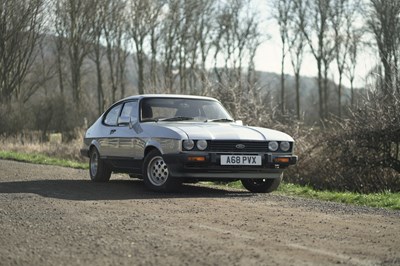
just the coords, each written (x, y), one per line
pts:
(179, 165)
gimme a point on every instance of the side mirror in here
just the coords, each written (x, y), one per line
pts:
(135, 125)
(132, 122)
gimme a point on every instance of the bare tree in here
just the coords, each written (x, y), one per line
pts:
(384, 22)
(237, 23)
(73, 19)
(169, 53)
(97, 53)
(315, 27)
(252, 46)
(59, 49)
(194, 22)
(115, 31)
(296, 45)
(203, 35)
(222, 33)
(235, 43)
(144, 15)
(155, 41)
(184, 42)
(281, 13)
(248, 39)
(41, 72)
(20, 32)
(342, 18)
(355, 39)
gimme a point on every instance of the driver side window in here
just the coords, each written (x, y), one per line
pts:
(129, 110)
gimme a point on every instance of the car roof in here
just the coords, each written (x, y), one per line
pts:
(143, 96)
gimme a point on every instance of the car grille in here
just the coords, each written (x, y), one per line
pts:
(231, 146)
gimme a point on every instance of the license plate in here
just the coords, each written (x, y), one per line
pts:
(240, 160)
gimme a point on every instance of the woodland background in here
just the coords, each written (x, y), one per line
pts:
(63, 62)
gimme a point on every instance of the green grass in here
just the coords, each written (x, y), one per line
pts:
(382, 200)
(41, 159)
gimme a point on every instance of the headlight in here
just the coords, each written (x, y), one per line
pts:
(285, 146)
(273, 145)
(201, 144)
(188, 144)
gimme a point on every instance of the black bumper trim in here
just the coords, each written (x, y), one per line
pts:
(180, 166)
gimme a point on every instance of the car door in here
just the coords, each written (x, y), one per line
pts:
(108, 141)
(129, 143)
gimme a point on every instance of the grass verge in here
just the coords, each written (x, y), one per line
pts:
(41, 159)
(382, 200)
(386, 200)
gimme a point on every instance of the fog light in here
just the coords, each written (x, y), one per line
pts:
(197, 158)
(281, 160)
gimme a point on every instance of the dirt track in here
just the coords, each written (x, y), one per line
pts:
(56, 216)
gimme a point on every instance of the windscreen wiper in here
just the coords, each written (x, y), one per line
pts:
(220, 120)
(176, 118)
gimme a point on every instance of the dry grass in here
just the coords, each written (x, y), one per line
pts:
(32, 143)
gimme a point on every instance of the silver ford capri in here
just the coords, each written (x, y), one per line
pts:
(170, 139)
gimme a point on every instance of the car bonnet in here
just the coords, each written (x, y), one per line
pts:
(228, 131)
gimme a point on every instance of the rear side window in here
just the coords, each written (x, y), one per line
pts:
(112, 116)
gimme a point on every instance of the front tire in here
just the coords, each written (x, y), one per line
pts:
(266, 185)
(156, 175)
(98, 169)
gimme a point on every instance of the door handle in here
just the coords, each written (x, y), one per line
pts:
(112, 131)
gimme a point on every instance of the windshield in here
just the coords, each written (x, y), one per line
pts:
(181, 109)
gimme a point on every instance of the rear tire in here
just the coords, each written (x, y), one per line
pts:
(98, 169)
(266, 185)
(156, 175)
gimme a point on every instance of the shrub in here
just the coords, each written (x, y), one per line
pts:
(359, 154)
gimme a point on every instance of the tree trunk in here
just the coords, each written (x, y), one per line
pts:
(326, 92)
(140, 63)
(283, 79)
(100, 93)
(320, 91)
(352, 91)
(297, 80)
(340, 95)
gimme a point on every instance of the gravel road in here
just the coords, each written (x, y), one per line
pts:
(55, 216)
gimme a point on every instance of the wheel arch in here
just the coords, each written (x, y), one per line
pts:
(150, 148)
(153, 143)
(94, 144)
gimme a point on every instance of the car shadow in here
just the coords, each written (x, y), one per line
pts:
(82, 190)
